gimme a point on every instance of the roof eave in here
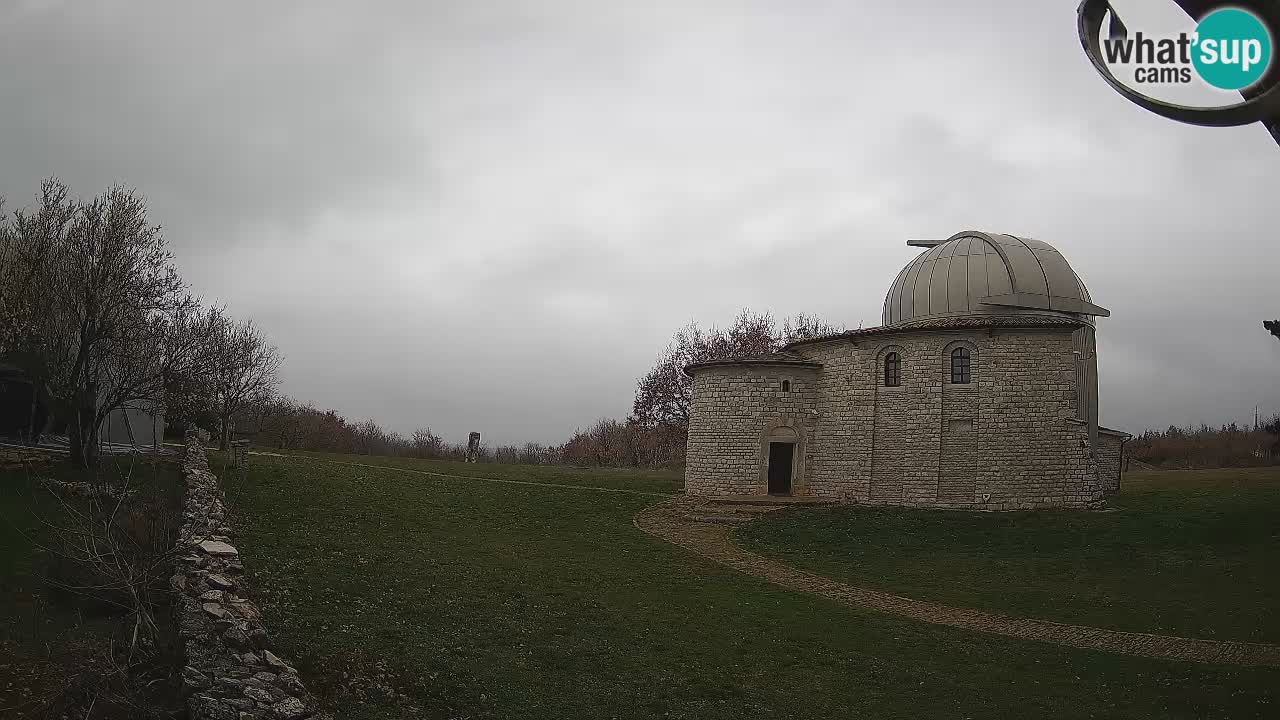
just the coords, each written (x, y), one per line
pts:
(944, 324)
(1033, 301)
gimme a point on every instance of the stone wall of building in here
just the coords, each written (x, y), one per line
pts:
(734, 410)
(840, 453)
(1004, 441)
(1110, 457)
(1032, 455)
(231, 671)
(959, 456)
(901, 472)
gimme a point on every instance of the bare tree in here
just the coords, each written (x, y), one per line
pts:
(245, 370)
(427, 444)
(114, 546)
(663, 394)
(29, 249)
(806, 327)
(532, 454)
(114, 303)
(289, 424)
(92, 307)
(288, 419)
(611, 443)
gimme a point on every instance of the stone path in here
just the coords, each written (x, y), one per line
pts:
(673, 521)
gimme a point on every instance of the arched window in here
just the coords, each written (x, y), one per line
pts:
(961, 371)
(786, 386)
(892, 370)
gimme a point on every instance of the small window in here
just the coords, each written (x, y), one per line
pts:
(786, 386)
(892, 370)
(961, 370)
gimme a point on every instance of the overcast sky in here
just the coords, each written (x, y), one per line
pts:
(491, 216)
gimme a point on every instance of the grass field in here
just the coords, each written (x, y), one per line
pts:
(1194, 552)
(654, 481)
(401, 594)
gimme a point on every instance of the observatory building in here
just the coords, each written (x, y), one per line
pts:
(979, 391)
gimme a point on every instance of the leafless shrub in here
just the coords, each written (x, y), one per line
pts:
(533, 454)
(506, 454)
(244, 370)
(287, 424)
(427, 444)
(663, 394)
(91, 679)
(611, 443)
(370, 438)
(119, 552)
(107, 549)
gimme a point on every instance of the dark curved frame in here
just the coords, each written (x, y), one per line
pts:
(1262, 101)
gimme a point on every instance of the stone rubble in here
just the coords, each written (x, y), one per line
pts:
(231, 671)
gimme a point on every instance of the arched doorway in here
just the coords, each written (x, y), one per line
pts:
(782, 460)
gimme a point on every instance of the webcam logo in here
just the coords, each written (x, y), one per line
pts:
(1230, 49)
(1234, 47)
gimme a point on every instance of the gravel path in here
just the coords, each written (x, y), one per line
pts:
(670, 521)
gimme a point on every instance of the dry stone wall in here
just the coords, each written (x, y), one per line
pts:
(231, 672)
(1110, 460)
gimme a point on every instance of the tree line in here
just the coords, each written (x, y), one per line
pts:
(97, 318)
(1230, 445)
(654, 435)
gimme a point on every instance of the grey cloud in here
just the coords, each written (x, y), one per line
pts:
(492, 216)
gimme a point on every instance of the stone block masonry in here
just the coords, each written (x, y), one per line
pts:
(979, 392)
(1011, 438)
(734, 411)
(231, 672)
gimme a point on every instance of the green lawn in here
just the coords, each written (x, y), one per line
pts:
(401, 593)
(655, 481)
(1193, 552)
